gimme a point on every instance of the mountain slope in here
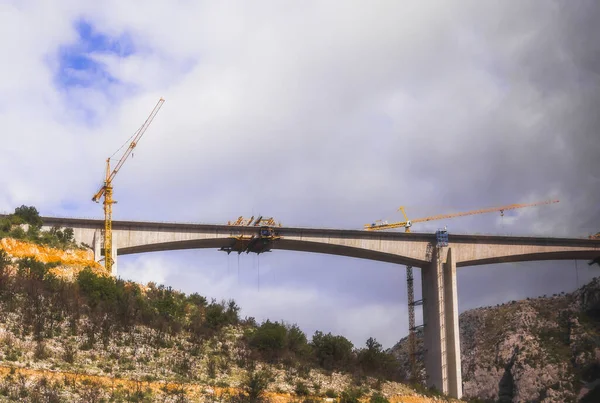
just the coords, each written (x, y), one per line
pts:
(541, 349)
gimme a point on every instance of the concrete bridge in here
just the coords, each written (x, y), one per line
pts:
(438, 264)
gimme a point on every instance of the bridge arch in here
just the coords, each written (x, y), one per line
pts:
(281, 244)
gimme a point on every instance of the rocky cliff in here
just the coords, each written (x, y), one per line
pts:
(544, 349)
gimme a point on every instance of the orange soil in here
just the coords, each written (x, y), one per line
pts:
(76, 259)
(192, 390)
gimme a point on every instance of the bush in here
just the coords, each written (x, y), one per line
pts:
(378, 398)
(97, 288)
(211, 368)
(351, 396)
(41, 351)
(55, 237)
(330, 393)
(301, 389)
(296, 341)
(29, 215)
(269, 339)
(219, 315)
(255, 384)
(331, 351)
(70, 353)
(374, 361)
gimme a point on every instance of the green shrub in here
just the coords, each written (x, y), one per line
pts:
(301, 389)
(29, 215)
(351, 395)
(378, 398)
(331, 351)
(330, 393)
(255, 384)
(269, 339)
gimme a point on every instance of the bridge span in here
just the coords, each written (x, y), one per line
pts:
(438, 265)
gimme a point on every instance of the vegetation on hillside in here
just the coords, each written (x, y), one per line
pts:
(155, 332)
(97, 330)
(25, 224)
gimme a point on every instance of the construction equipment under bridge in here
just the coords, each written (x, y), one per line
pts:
(257, 243)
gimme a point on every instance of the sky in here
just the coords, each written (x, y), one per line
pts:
(320, 114)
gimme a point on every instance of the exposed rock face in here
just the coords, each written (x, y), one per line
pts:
(70, 261)
(542, 349)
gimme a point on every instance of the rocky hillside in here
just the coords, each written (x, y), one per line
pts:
(69, 332)
(544, 349)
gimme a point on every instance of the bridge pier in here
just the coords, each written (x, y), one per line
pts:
(440, 317)
(97, 245)
(98, 255)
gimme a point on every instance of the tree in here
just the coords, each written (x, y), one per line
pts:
(68, 235)
(331, 351)
(296, 341)
(5, 225)
(373, 359)
(255, 385)
(269, 339)
(29, 215)
(96, 288)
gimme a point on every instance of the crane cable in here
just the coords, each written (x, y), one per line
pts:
(258, 272)
(128, 141)
(576, 274)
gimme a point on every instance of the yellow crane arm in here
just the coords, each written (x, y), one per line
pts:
(407, 223)
(482, 211)
(138, 135)
(107, 189)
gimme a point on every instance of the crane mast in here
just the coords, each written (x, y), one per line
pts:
(106, 190)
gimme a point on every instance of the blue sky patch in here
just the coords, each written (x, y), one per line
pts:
(77, 66)
(78, 71)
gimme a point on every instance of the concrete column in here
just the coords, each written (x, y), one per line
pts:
(114, 254)
(97, 245)
(452, 328)
(434, 321)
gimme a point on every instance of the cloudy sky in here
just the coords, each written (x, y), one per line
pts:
(320, 114)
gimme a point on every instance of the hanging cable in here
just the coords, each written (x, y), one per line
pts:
(576, 274)
(258, 272)
(127, 142)
(238, 268)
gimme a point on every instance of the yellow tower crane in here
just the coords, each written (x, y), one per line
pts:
(383, 225)
(107, 189)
